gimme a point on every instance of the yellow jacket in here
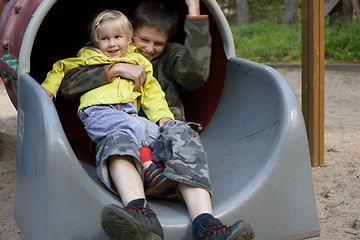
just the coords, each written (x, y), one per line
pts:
(149, 96)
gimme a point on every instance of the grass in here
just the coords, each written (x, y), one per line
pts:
(270, 42)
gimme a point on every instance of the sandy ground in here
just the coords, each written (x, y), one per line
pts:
(336, 185)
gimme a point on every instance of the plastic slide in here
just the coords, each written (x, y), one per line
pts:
(254, 133)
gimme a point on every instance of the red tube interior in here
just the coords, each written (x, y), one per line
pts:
(64, 31)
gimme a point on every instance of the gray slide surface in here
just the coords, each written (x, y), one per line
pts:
(258, 157)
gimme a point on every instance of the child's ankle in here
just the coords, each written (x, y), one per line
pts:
(141, 202)
(200, 223)
(146, 165)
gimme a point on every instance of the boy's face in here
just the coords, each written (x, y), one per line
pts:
(113, 41)
(150, 42)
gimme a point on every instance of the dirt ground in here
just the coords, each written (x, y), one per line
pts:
(336, 185)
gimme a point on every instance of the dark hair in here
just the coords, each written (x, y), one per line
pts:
(156, 14)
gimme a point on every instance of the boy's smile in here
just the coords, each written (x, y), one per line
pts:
(150, 42)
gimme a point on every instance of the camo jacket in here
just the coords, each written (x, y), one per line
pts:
(180, 67)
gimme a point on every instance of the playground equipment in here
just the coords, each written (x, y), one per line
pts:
(254, 133)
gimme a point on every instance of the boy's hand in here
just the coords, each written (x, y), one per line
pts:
(132, 72)
(193, 7)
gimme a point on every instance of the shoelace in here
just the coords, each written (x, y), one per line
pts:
(214, 230)
(140, 210)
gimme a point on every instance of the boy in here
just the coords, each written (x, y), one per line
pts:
(176, 67)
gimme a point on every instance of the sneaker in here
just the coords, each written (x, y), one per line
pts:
(156, 183)
(171, 194)
(241, 230)
(131, 223)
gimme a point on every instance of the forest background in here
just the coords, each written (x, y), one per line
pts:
(269, 31)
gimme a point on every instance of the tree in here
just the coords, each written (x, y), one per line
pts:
(290, 11)
(342, 11)
(356, 8)
(242, 12)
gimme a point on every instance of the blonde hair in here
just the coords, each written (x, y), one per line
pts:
(116, 17)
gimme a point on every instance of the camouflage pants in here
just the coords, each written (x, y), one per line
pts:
(180, 148)
(177, 145)
(116, 143)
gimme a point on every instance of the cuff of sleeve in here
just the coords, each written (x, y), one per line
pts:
(107, 73)
(197, 17)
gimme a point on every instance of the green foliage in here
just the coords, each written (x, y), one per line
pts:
(267, 40)
(272, 10)
(270, 42)
(342, 42)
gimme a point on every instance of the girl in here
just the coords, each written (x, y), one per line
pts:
(109, 113)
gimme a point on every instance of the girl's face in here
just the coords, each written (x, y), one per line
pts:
(113, 41)
(150, 42)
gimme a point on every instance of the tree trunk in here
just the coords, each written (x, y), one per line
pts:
(342, 11)
(242, 12)
(290, 11)
(357, 9)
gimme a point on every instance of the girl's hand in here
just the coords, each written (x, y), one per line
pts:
(163, 120)
(51, 95)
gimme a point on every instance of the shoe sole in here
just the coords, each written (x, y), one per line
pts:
(119, 225)
(245, 232)
(161, 187)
